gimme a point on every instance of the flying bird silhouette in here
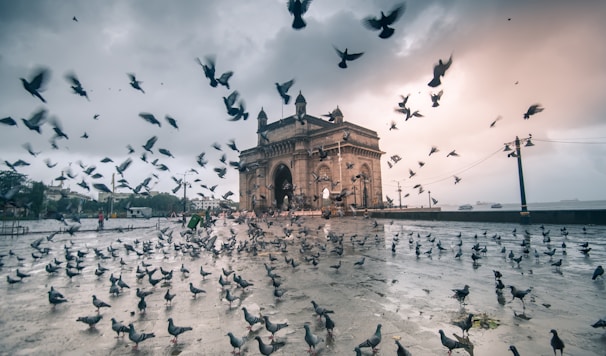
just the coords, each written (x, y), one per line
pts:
(438, 71)
(435, 98)
(492, 124)
(533, 109)
(209, 69)
(76, 85)
(136, 84)
(385, 21)
(150, 118)
(297, 8)
(36, 85)
(172, 122)
(283, 90)
(345, 56)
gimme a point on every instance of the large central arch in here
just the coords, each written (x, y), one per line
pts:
(283, 184)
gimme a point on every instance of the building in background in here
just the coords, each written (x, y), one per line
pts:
(301, 159)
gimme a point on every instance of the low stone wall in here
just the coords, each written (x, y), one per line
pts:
(558, 217)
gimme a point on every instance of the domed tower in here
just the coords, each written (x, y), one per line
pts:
(338, 115)
(300, 105)
(261, 124)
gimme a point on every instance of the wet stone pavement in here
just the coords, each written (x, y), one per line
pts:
(409, 295)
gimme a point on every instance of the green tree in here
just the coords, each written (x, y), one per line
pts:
(36, 198)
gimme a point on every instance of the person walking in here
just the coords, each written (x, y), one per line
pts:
(101, 219)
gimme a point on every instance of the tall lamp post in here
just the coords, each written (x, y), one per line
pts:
(399, 193)
(429, 194)
(524, 213)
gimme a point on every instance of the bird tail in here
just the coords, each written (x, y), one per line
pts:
(343, 64)
(434, 82)
(386, 33)
(298, 23)
(286, 99)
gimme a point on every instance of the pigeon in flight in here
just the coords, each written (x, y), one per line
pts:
(385, 21)
(35, 122)
(402, 103)
(172, 122)
(76, 85)
(433, 150)
(435, 98)
(533, 109)
(345, 56)
(438, 71)
(8, 121)
(452, 153)
(209, 69)
(283, 90)
(136, 84)
(224, 79)
(150, 143)
(492, 124)
(297, 8)
(150, 118)
(456, 180)
(36, 85)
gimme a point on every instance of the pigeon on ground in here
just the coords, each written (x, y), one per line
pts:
(600, 324)
(465, 324)
(329, 324)
(450, 343)
(142, 305)
(136, 337)
(297, 8)
(98, 303)
(251, 319)
(90, 320)
(319, 310)
(273, 328)
(236, 342)
(36, 85)
(118, 327)
(268, 349)
(385, 21)
(599, 271)
(461, 294)
(556, 342)
(360, 262)
(176, 330)
(514, 350)
(195, 290)
(311, 339)
(401, 351)
(169, 297)
(438, 71)
(55, 297)
(373, 341)
(347, 57)
(520, 294)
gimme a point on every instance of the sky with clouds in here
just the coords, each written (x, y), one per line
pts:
(507, 55)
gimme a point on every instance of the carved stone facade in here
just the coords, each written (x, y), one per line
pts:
(300, 158)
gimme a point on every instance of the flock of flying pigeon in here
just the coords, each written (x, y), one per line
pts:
(235, 108)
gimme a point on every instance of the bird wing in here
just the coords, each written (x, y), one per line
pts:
(395, 14)
(372, 23)
(39, 79)
(353, 56)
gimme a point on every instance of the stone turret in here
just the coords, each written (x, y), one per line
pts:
(261, 124)
(338, 115)
(301, 105)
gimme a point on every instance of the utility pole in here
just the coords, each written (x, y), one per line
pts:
(399, 193)
(524, 214)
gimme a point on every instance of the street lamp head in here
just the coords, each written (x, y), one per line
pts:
(529, 143)
(512, 154)
(507, 148)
